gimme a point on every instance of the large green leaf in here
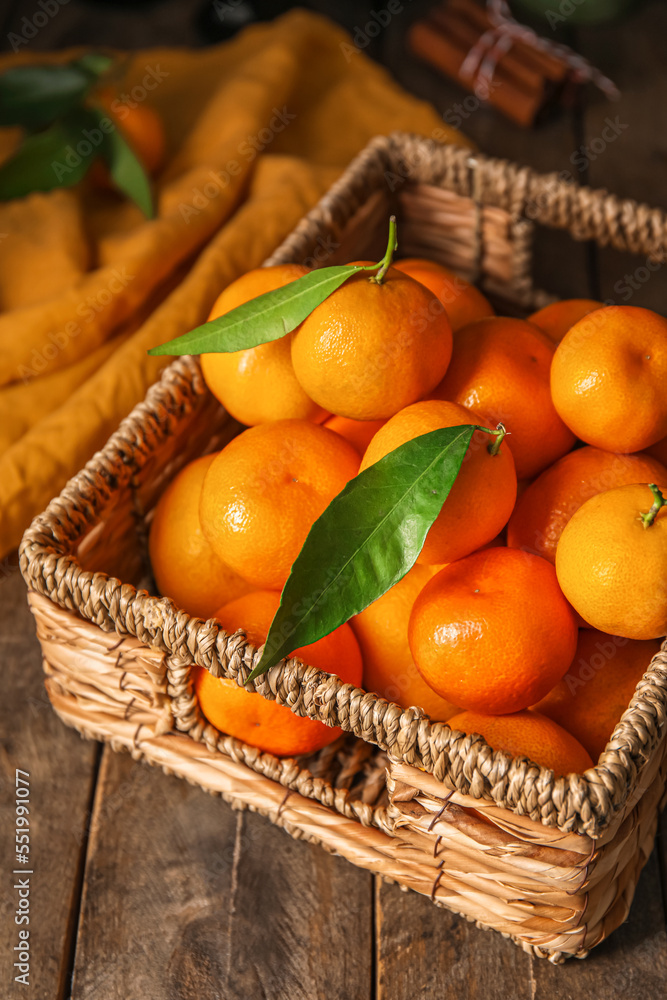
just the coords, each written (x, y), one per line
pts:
(127, 171)
(33, 96)
(49, 159)
(366, 540)
(268, 317)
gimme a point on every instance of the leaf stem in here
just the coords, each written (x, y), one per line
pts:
(392, 246)
(498, 437)
(659, 501)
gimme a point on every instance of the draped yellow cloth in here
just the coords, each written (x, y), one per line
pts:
(257, 130)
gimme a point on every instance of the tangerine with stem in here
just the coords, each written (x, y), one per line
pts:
(611, 561)
(375, 345)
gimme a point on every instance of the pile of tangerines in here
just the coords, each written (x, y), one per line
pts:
(540, 593)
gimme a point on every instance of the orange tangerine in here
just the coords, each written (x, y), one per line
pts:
(559, 317)
(500, 369)
(370, 349)
(185, 567)
(247, 715)
(493, 632)
(528, 734)
(462, 301)
(265, 489)
(258, 385)
(466, 522)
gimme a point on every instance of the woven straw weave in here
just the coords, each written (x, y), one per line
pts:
(473, 213)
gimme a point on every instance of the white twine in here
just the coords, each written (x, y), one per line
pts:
(481, 62)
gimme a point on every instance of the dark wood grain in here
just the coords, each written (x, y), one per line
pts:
(625, 143)
(109, 25)
(61, 768)
(423, 951)
(185, 898)
(632, 963)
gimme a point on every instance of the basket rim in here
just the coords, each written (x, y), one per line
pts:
(587, 803)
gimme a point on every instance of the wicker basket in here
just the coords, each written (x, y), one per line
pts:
(552, 862)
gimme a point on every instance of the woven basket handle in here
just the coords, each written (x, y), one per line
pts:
(547, 199)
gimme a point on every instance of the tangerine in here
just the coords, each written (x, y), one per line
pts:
(547, 505)
(370, 349)
(598, 686)
(258, 384)
(528, 734)
(611, 562)
(559, 317)
(265, 489)
(357, 432)
(143, 129)
(608, 378)
(247, 715)
(462, 301)
(185, 567)
(500, 368)
(466, 521)
(382, 633)
(493, 632)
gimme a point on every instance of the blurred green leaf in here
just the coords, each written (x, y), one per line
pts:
(93, 63)
(33, 96)
(57, 157)
(127, 171)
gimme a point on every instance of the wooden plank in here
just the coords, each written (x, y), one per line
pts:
(631, 963)
(661, 852)
(62, 768)
(425, 951)
(183, 898)
(624, 142)
(169, 23)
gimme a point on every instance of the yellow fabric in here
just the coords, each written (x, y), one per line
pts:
(257, 130)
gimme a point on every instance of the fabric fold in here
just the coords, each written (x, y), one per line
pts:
(257, 130)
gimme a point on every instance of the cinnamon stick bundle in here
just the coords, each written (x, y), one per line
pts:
(525, 81)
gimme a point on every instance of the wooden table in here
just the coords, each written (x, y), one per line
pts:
(145, 888)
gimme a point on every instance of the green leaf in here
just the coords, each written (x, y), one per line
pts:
(32, 96)
(127, 171)
(94, 64)
(49, 159)
(268, 317)
(366, 540)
